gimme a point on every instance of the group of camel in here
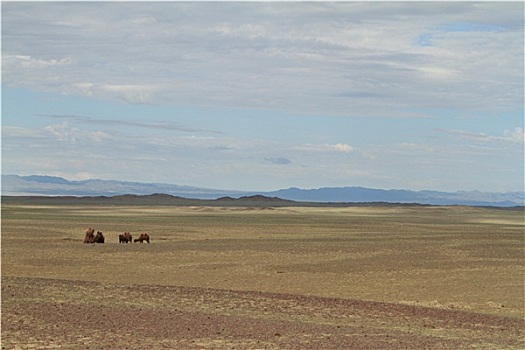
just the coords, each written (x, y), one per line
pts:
(123, 238)
(126, 237)
(92, 238)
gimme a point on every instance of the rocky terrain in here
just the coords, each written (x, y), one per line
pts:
(50, 314)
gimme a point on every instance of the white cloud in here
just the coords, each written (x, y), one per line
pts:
(100, 136)
(338, 148)
(19, 132)
(342, 147)
(26, 62)
(414, 147)
(299, 57)
(510, 137)
(359, 59)
(57, 132)
(514, 136)
(64, 132)
(436, 72)
(133, 93)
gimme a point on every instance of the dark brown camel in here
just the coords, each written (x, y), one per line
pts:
(99, 238)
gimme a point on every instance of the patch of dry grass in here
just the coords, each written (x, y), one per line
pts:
(451, 257)
(276, 278)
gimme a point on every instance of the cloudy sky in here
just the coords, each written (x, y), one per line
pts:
(265, 95)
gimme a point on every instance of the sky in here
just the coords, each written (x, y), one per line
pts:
(266, 95)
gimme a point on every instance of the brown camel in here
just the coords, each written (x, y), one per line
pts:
(90, 235)
(143, 237)
(125, 238)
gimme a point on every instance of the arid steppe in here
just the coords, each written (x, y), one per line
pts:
(370, 277)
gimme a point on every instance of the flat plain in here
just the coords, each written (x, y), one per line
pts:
(360, 277)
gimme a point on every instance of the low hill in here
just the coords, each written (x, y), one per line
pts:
(153, 199)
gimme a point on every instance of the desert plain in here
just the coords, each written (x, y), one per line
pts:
(226, 277)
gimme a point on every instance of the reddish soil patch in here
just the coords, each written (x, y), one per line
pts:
(46, 313)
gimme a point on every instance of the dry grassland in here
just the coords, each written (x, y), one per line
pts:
(263, 278)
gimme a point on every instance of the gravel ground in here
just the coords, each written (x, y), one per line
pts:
(51, 314)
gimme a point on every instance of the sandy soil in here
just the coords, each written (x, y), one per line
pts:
(51, 314)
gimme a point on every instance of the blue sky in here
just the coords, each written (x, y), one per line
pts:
(263, 95)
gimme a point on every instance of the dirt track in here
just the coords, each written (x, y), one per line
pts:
(47, 314)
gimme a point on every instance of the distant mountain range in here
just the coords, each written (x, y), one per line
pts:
(37, 185)
(56, 186)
